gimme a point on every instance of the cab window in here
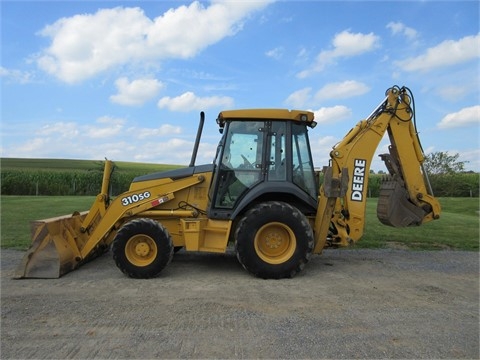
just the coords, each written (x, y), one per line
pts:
(241, 162)
(303, 171)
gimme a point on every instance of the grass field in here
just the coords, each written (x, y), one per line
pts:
(457, 229)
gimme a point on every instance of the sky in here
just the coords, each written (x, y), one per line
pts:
(126, 80)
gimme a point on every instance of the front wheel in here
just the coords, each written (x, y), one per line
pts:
(142, 248)
(274, 240)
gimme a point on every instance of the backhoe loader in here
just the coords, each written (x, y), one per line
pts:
(260, 194)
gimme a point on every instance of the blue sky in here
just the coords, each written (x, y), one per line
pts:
(127, 80)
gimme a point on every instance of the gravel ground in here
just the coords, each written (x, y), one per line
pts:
(346, 304)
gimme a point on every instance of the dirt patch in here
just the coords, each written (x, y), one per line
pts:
(416, 246)
(346, 304)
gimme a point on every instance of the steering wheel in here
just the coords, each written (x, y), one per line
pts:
(246, 164)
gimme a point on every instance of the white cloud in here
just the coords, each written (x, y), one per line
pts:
(338, 90)
(341, 90)
(329, 115)
(110, 120)
(135, 92)
(110, 127)
(105, 127)
(107, 137)
(472, 159)
(179, 151)
(321, 148)
(464, 117)
(60, 129)
(114, 150)
(345, 44)
(189, 101)
(275, 53)
(36, 147)
(299, 98)
(17, 76)
(302, 56)
(87, 44)
(400, 28)
(447, 53)
(163, 130)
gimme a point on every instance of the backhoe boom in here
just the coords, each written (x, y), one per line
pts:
(405, 196)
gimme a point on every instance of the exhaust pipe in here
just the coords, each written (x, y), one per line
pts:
(197, 140)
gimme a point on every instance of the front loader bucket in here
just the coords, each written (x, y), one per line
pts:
(59, 245)
(55, 249)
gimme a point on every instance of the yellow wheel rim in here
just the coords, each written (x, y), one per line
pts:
(275, 243)
(141, 250)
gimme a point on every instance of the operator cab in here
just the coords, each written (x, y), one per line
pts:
(261, 153)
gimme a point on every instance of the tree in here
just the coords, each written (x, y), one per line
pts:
(441, 163)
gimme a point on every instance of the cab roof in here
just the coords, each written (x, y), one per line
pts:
(270, 114)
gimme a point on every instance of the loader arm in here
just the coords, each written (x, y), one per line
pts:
(62, 244)
(405, 196)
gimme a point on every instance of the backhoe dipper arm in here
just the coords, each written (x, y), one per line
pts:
(405, 195)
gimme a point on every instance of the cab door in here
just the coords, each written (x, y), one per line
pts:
(240, 164)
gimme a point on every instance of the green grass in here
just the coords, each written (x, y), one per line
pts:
(17, 212)
(457, 229)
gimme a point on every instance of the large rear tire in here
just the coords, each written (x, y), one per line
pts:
(142, 248)
(274, 240)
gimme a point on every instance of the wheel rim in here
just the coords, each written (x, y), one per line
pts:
(275, 243)
(141, 250)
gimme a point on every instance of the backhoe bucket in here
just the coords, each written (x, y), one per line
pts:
(394, 208)
(55, 248)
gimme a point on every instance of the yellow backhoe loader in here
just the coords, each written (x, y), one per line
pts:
(260, 194)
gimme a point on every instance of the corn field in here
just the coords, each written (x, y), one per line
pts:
(46, 182)
(89, 182)
(54, 177)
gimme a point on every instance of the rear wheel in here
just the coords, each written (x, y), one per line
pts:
(142, 248)
(274, 240)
